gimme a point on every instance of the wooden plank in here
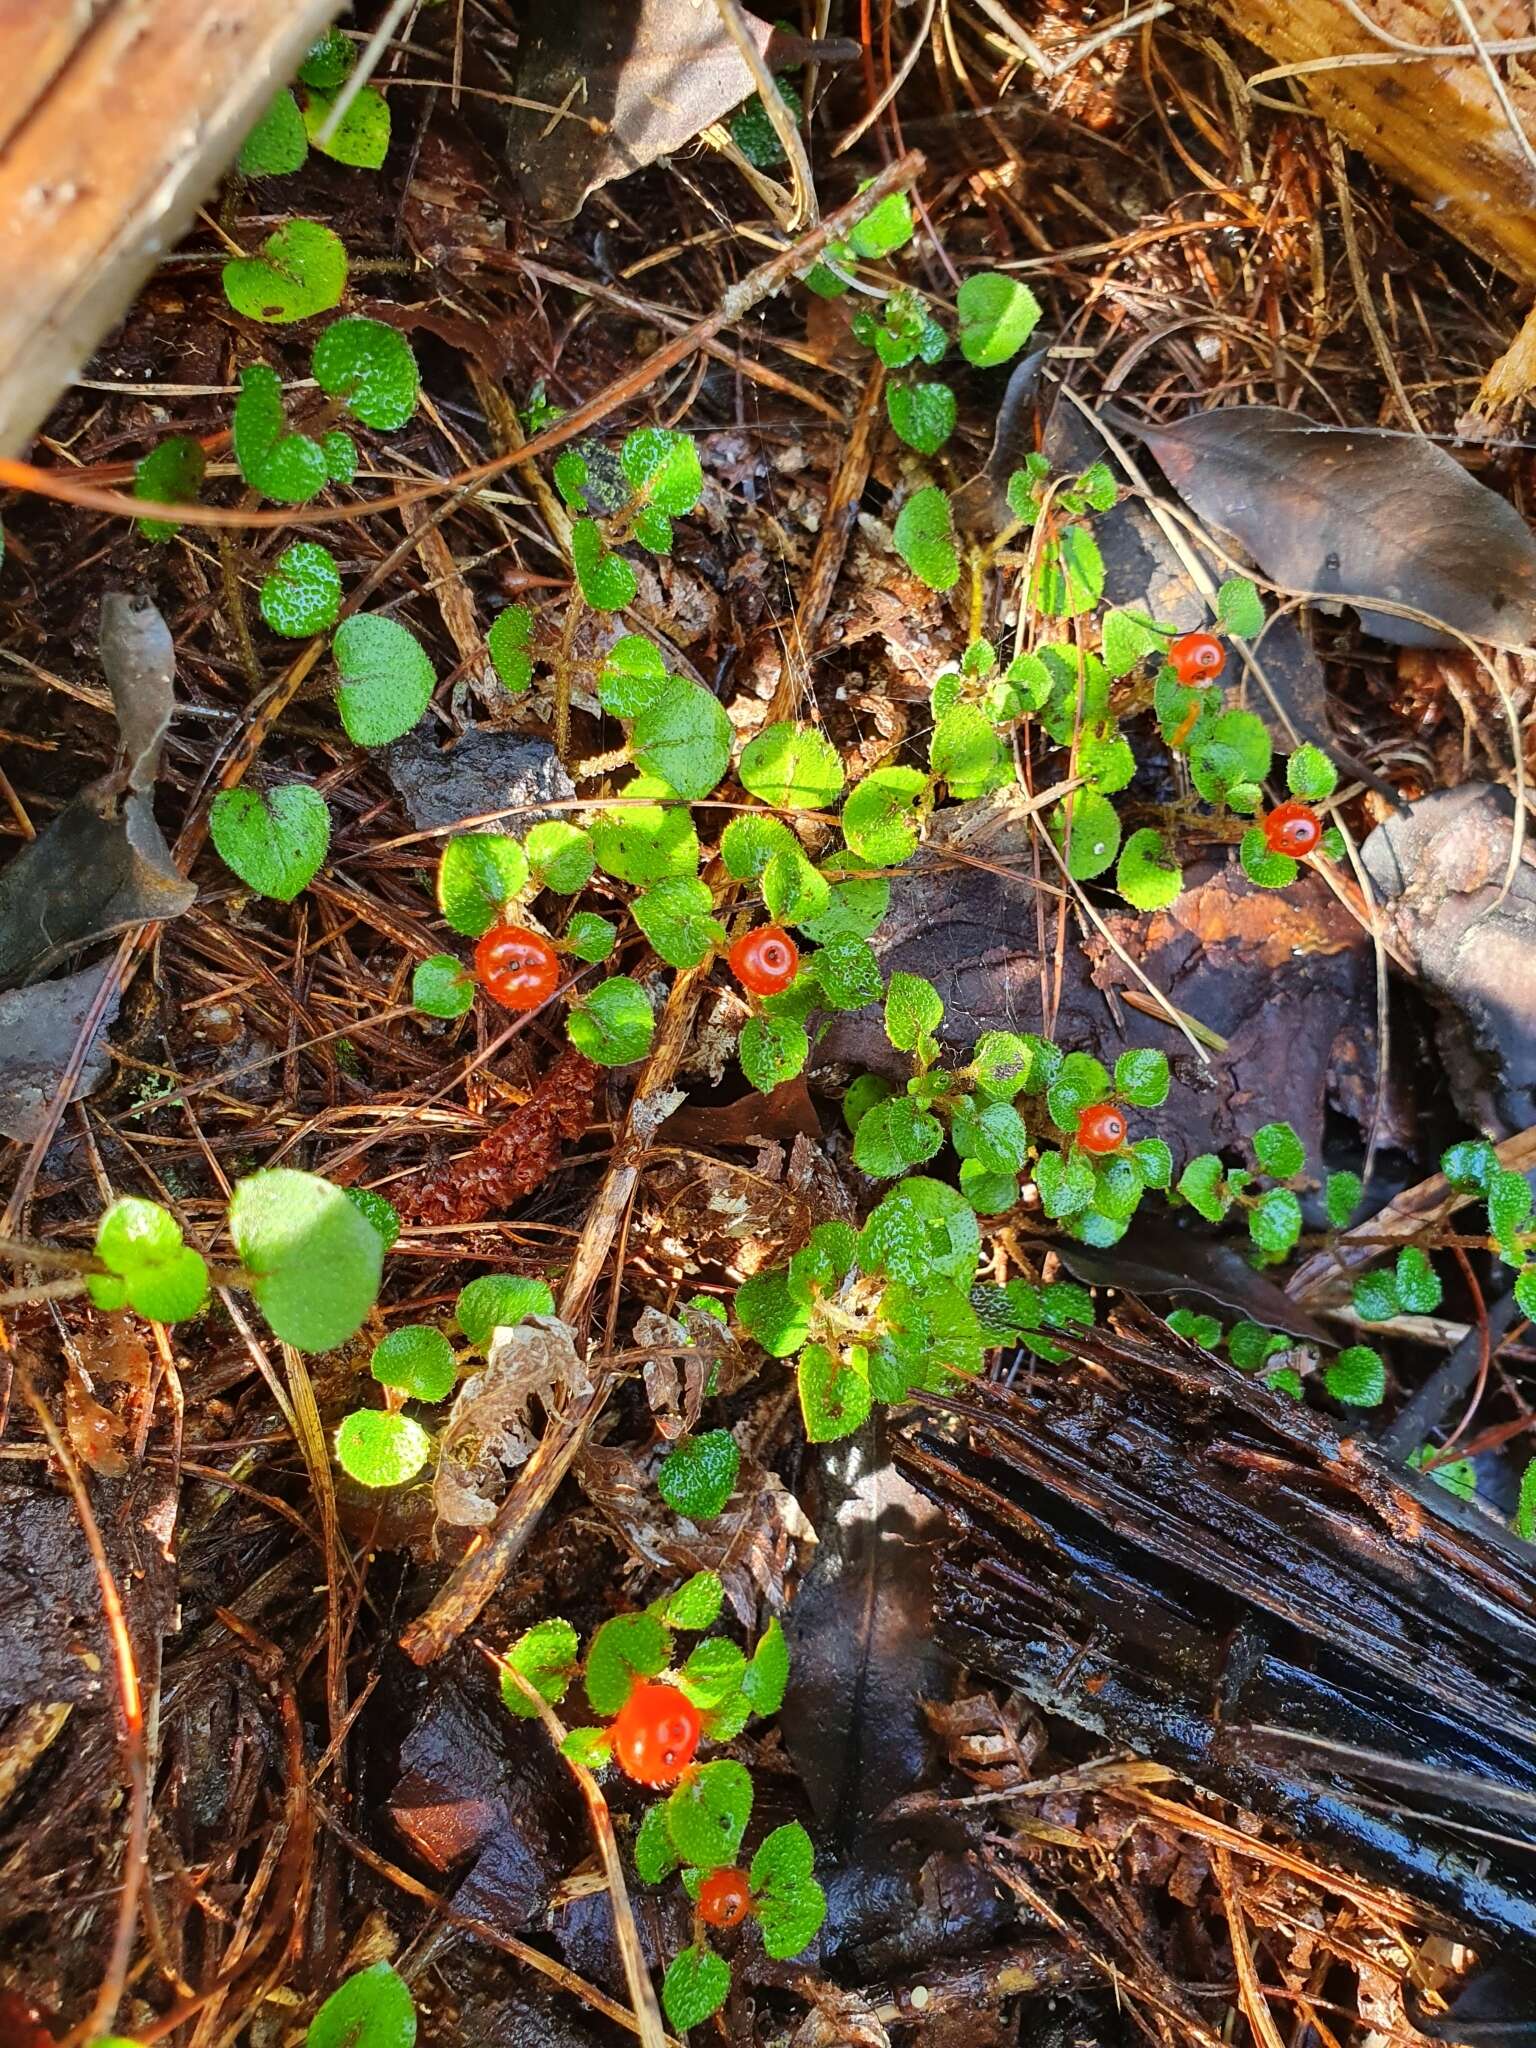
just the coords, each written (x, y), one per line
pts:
(1434, 123)
(132, 111)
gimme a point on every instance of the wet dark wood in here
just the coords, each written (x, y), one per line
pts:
(1174, 1557)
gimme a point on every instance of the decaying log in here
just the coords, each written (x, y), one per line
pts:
(118, 117)
(1435, 123)
(1177, 1558)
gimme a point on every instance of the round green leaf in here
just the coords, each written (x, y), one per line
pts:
(964, 751)
(170, 473)
(507, 643)
(923, 415)
(615, 1024)
(382, 1215)
(921, 1229)
(302, 270)
(479, 874)
(286, 466)
(882, 817)
(793, 766)
(662, 466)
(277, 144)
(696, 1985)
(633, 675)
(698, 1477)
(418, 1359)
(360, 137)
(1267, 870)
(629, 1646)
(442, 987)
(1086, 826)
(834, 1399)
(997, 316)
(328, 61)
(313, 1260)
(606, 581)
(369, 366)
(1310, 775)
(500, 1301)
(772, 1050)
(1141, 1077)
(387, 679)
(590, 937)
(684, 738)
(1148, 876)
(560, 856)
(371, 2009)
(1279, 1151)
(303, 593)
(274, 841)
(1357, 1377)
(1274, 1223)
(379, 1449)
(645, 842)
(924, 535)
(677, 916)
(546, 1655)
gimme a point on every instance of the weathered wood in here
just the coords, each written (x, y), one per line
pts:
(1434, 123)
(119, 116)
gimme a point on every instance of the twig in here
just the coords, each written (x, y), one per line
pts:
(791, 141)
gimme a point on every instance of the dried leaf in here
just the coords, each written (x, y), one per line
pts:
(1359, 512)
(138, 658)
(488, 1428)
(39, 1028)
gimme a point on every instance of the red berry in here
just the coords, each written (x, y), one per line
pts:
(764, 961)
(655, 1733)
(516, 967)
(1198, 657)
(1101, 1128)
(725, 1899)
(1293, 828)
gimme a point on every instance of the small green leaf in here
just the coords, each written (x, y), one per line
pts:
(1470, 1165)
(1141, 1078)
(861, 1096)
(387, 678)
(1341, 1196)
(1457, 1475)
(766, 1678)
(1078, 1083)
(302, 270)
(628, 1647)
(662, 466)
(329, 61)
(768, 1312)
(855, 911)
(560, 856)
(1274, 1222)
(1279, 1151)
(1155, 1161)
(607, 582)
(1234, 752)
(274, 841)
(695, 1987)
(1250, 1345)
(313, 1260)
(277, 145)
(1375, 1296)
(914, 1010)
(590, 1748)
(370, 367)
(633, 675)
(500, 1301)
(614, 1024)
(1069, 574)
(1148, 876)
(793, 890)
(1203, 1185)
(1525, 1510)
(964, 751)
(923, 415)
(1525, 1292)
(925, 538)
(882, 819)
(1239, 609)
(699, 1476)
(508, 644)
(1310, 775)
(711, 1673)
(479, 874)
(997, 316)
(1267, 870)
(1418, 1284)
(590, 937)
(884, 229)
(286, 466)
(1509, 1205)
(418, 1359)
(684, 738)
(303, 593)
(677, 916)
(360, 138)
(171, 473)
(379, 1449)
(340, 452)
(708, 1813)
(834, 1399)
(1004, 1063)
(547, 1655)
(152, 1270)
(1199, 1329)
(792, 766)
(1086, 826)
(772, 1050)
(645, 842)
(371, 2009)
(695, 1604)
(894, 1135)
(922, 1228)
(1065, 1184)
(748, 844)
(1357, 1377)
(384, 1216)
(441, 986)
(789, 1903)
(655, 1857)
(1125, 638)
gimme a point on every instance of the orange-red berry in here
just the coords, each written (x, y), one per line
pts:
(1197, 658)
(1102, 1128)
(516, 967)
(764, 961)
(1293, 828)
(725, 1898)
(655, 1733)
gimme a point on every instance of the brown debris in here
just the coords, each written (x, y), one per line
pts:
(517, 1157)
